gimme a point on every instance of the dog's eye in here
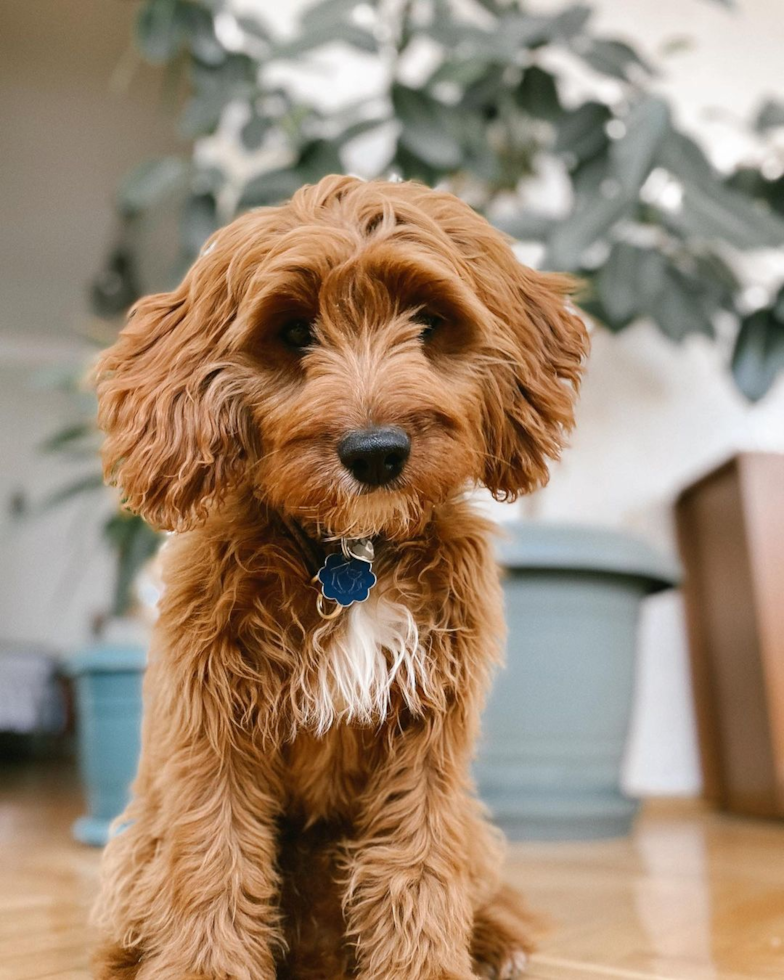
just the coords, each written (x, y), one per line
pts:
(430, 322)
(297, 334)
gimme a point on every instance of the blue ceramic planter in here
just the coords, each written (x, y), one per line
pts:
(108, 682)
(556, 724)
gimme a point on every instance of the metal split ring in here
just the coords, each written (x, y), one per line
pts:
(321, 599)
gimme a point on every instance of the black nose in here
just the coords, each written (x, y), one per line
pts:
(375, 456)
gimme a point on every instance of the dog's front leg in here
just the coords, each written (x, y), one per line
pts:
(408, 901)
(190, 888)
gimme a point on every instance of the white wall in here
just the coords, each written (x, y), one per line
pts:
(55, 574)
(76, 111)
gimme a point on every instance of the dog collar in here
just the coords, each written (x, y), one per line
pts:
(343, 577)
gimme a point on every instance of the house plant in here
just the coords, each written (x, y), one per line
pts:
(469, 97)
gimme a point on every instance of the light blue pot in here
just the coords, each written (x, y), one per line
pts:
(556, 725)
(108, 682)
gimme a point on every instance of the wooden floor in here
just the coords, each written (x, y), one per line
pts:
(692, 896)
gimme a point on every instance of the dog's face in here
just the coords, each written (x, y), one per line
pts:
(354, 357)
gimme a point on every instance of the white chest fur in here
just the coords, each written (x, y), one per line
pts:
(377, 648)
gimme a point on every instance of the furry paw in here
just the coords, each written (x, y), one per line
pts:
(508, 965)
(503, 937)
(111, 961)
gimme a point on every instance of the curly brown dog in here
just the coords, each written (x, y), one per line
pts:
(307, 410)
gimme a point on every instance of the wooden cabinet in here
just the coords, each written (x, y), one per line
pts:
(731, 534)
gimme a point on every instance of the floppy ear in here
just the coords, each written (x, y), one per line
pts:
(170, 398)
(529, 408)
(535, 344)
(531, 351)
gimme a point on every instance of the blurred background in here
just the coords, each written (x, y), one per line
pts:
(639, 145)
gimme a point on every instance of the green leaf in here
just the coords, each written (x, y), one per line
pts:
(514, 31)
(116, 286)
(778, 306)
(326, 14)
(716, 278)
(491, 6)
(411, 167)
(592, 305)
(711, 211)
(533, 31)
(198, 220)
(629, 277)
(634, 155)
(537, 94)
(759, 353)
(485, 92)
(358, 37)
(462, 72)
(202, 114)
(159, 30)
(591, 221)
(677, 308)
(751, 182)
(747, 180)
(253, 132)
(318, 158)
(357, 129)
(209, 179)
(198, 27)
(589, 177)
(236, 75)
(428, 127)
(135, 543)
(270, 187)
(614, 58)
(684, 158)
(355, 37)
(581, 133)
(65, 437)
(528, 226)
(85, 484)
(251, 24)
(770, 116)
(448, 31)
(480, 158)
(150, 183)
(571, 21)
(164, 27)
(214, 87)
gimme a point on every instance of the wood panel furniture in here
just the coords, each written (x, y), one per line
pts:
(731, 534)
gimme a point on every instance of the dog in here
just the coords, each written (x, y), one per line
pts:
(308, 411)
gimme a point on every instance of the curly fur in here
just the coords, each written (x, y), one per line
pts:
(378, 648)
(303, 805)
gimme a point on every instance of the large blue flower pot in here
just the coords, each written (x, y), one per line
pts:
(108, 682)
(557, 721)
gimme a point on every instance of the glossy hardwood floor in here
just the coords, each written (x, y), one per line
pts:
(691, 896)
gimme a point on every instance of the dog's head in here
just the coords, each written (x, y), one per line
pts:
(352, 357)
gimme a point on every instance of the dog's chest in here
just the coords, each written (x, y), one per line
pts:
(376, 650)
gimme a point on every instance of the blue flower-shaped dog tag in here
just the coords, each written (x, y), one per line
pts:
(346, 579)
